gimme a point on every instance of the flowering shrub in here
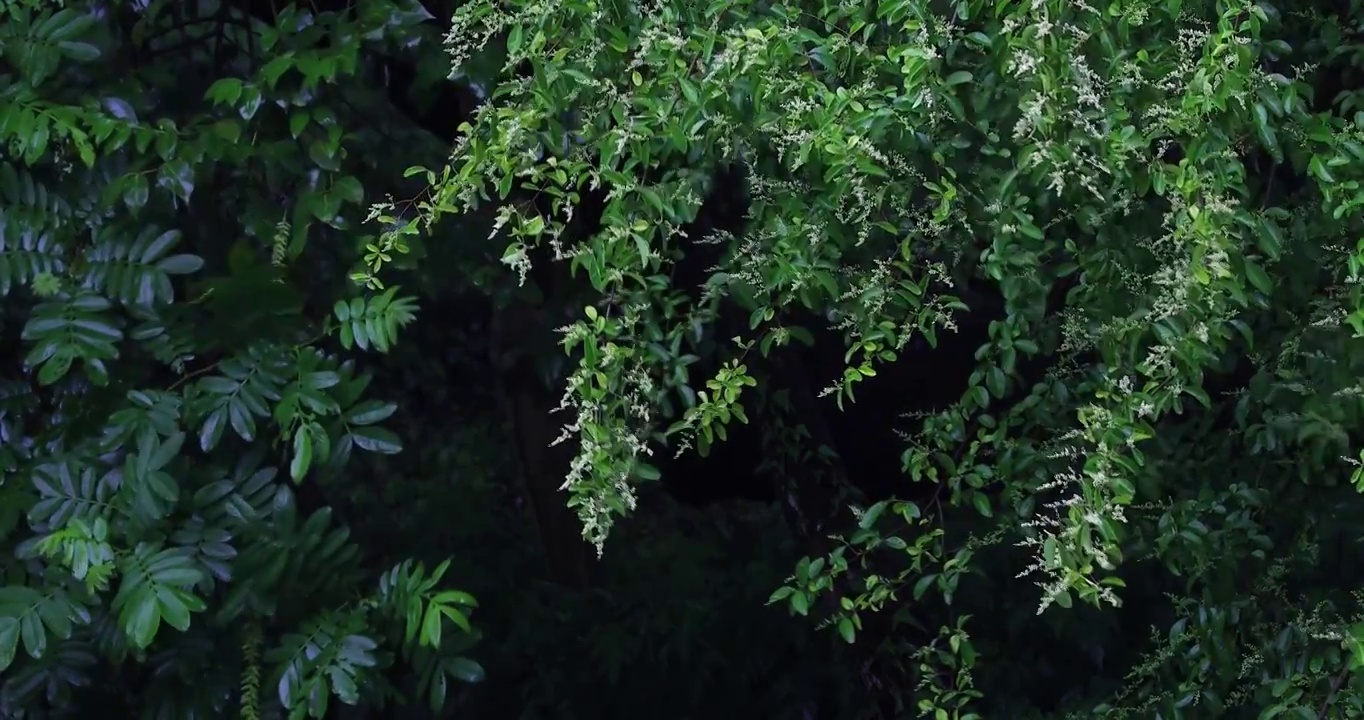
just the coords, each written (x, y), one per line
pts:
(1186, 175)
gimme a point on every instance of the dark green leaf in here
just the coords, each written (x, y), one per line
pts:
(34, 634)
(464, 669)
(349, 189)
(376, 439)
(846, 630)
(178, 177)
(180, 264)
(79, 51)
(141, 620)
(9, 640)
(1265, 131)
(119, 108)
(369, 412)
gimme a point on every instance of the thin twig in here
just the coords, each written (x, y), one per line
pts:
(1331, 694)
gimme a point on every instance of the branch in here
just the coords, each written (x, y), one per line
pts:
(1336, 684)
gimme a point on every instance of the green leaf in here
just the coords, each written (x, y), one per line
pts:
(462, 668)
(846, 629)
(978, 396)
(227, 129)
(431, 626)
(178, 177)
(303, 454)
(9, 640)
(224, 91)
(37, 144)
(1270, 237)
(119, 108)
(136, 192)
(436, 694)
(160, 245)
(689, 90)
(250, 102)
(455, 597)
(958, 77)
(55, 369)
(995, 380)
(34, 634)
(780, 594)
(180, 264)
(323, 155)
(376, 440)
(349, 189)
(1320, 171)
(298, 122)
(172, 609)
(369, 412)
(1258, 277)
(141, 619)
(982, 503)
(79, 51)
(456, 616)
(1265, 131)
(923, 584)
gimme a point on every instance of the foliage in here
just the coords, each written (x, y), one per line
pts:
(1185, 174)
(161, 185)
(1133, 228)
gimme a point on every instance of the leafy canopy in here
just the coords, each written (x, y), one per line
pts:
(165, 397)
(1185, 174)
(1160, 199)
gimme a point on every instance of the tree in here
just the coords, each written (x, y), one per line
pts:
(1101, 254)
(1185, 175)
(184, 367)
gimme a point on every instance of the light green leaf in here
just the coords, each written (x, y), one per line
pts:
(455, 597)
(456, 616)
(171, 608)
(224, 91)
(303, 454)
(431, 626)
(298, 122)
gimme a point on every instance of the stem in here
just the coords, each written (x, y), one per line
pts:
(1331, 694)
